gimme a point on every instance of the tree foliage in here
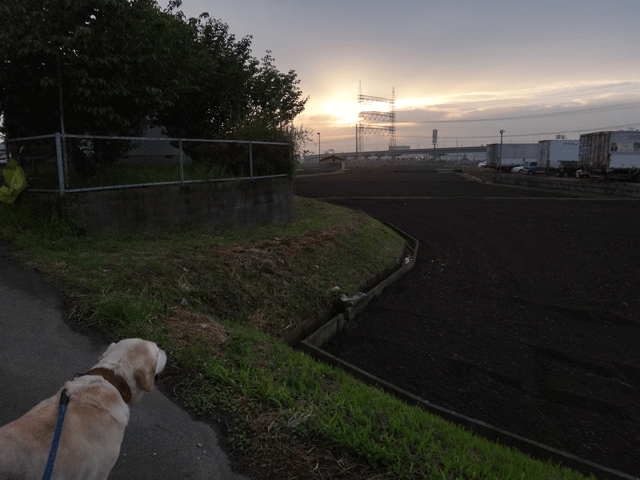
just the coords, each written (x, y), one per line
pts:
(115, 66)
(240, 96)
(98, 59)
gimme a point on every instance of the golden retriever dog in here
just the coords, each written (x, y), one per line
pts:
(96, 416)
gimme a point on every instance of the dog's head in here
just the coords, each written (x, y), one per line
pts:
(137, 361)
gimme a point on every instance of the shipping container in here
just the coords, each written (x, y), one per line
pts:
(553, 152)
(612, 154)
(512, 154)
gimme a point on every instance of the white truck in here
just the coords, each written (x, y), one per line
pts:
(614, 155)
(558, 156)
(513, 154)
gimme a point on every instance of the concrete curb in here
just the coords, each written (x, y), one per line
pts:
(485, 430)
(384, 278)
(325, 331)
(621, 190)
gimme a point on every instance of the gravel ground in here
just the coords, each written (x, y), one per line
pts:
(522, 311)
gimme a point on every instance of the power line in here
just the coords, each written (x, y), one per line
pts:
(540, 134)
(595, 129)
(592, 89)
(600, 129)
(586, 129)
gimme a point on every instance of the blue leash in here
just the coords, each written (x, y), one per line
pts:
(62, 410)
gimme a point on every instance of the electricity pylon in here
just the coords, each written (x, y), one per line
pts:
(385, 120)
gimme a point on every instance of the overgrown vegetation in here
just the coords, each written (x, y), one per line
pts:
(219, 301)
(115, 67)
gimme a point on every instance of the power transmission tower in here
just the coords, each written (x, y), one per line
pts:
(385, 120)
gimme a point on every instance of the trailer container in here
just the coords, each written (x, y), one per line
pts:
(615, 155)
(513, 154)
(554, 153)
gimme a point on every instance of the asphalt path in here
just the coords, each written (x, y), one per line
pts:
(39, 351)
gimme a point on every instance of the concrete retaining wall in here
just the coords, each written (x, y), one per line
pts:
(318, 331)
(206, 205)
(576, 185)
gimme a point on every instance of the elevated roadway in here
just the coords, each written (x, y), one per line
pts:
(409, 151)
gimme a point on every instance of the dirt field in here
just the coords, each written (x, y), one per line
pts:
(523, 310)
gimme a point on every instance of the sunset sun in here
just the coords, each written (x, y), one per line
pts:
(343, 113)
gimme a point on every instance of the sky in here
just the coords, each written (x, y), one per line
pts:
(469, 69)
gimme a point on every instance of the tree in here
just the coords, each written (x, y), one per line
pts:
(237, 96)
(108, 65)
(224, 68)
(276, 96)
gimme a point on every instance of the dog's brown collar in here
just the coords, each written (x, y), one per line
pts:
(115, 380)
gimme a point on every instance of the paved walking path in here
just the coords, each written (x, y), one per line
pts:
(39, 352)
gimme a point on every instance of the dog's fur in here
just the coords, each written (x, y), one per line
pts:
(94, 424)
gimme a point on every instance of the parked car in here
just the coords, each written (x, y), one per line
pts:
(482, 164)
(529, 168)
(517, 169)
(567, 168)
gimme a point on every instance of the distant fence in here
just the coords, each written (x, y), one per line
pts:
(80, 163)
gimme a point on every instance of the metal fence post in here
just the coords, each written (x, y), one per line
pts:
(181, 162)
(292, 167)
(251, 160)
(61, 172)
(65, 160)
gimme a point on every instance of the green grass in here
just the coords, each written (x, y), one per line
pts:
(219, 303)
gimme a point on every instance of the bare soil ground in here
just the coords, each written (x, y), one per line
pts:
(523, 310)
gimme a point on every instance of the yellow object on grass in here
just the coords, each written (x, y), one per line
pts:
(15, 180)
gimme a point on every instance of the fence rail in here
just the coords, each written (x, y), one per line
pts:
(79, 163)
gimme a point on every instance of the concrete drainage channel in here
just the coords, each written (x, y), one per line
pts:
(311, 337)
(584, 185)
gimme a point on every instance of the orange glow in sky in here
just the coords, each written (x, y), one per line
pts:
(451, 61)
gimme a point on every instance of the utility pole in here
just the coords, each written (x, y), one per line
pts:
(500, 160)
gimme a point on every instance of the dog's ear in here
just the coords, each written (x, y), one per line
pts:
(144, 378)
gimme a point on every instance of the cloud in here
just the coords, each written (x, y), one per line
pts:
(479, 106)
(477, 115)
(317, 118)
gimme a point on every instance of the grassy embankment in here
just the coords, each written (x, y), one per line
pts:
(218, 302)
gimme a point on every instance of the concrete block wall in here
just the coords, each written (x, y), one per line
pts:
(245, 202)
(576, 185)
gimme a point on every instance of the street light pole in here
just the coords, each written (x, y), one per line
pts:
(501, 133)
(318, 146)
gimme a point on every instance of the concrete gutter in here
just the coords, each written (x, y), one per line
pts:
(485, 430)
(328, 331)
(316, 334)
(322, 328)
(573, 184)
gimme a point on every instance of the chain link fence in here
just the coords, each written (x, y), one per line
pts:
(74, 163)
